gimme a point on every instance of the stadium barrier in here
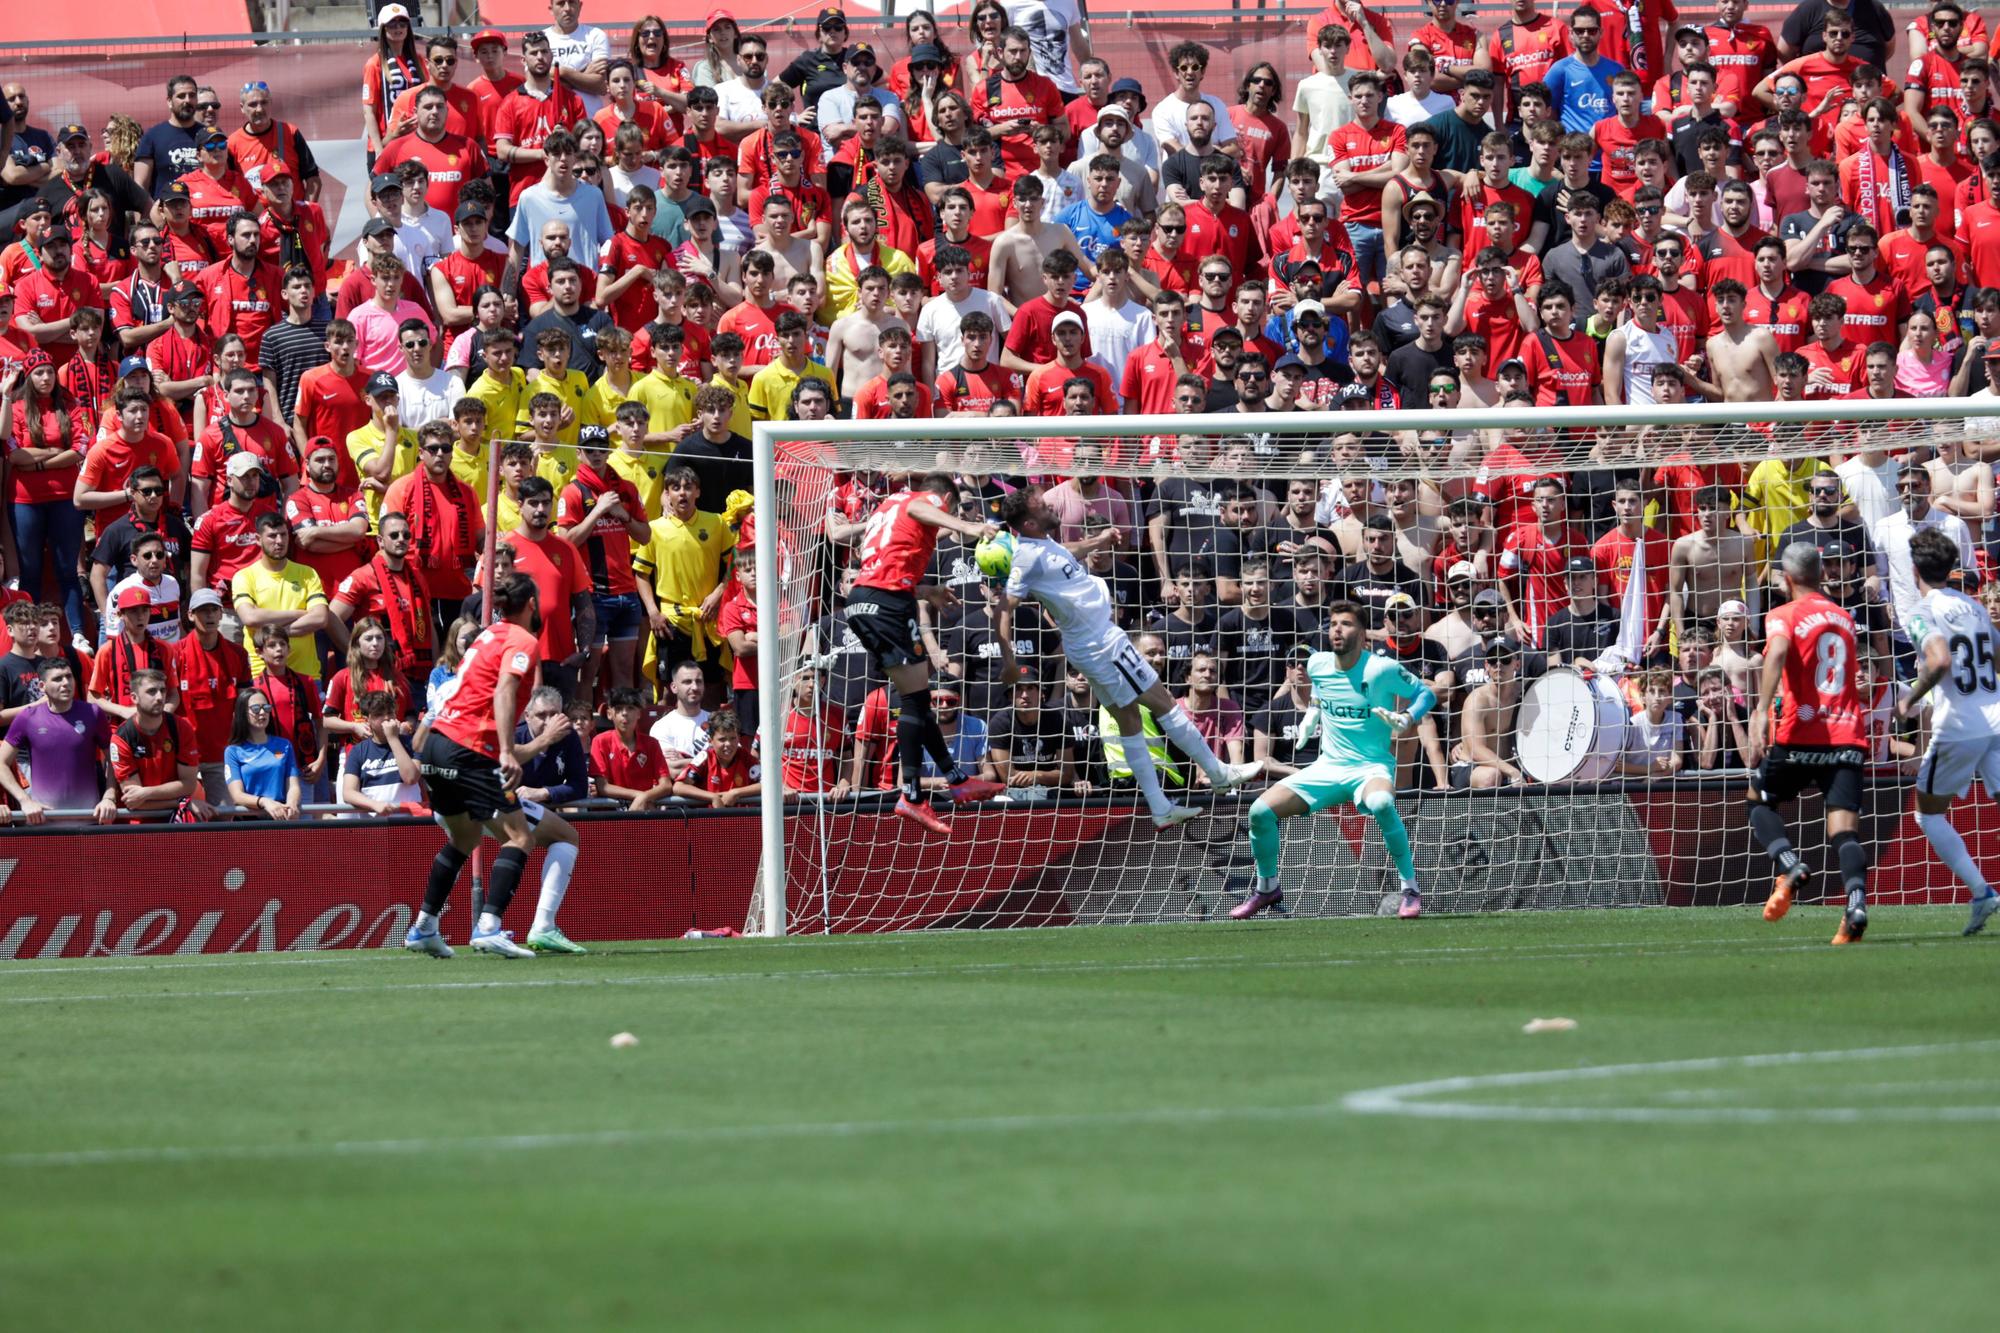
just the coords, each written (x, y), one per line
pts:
(259, 888)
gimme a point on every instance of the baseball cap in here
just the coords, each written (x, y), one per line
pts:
(1838, 550)
(131, 365)
(939, 695)
(378, 227)
(1288, 362)
(1695, 28)
(1460, 571)
(1732, 607)
(242, 463)
(40, 205)
(926, 53)
(204, 597)
(187, 291)
(485, 35)
(381, 382)
(272, 171)
(1115, 112)
(176, 192)
(135, 599)
(1504, 645)
(696, 205)
(716, 16)
(68, 132)
(1304, 308)
(829, 16)
(319, 442)
(213, 139)
(1486, 597)
(383, 180)
(856, 50)
(1400, 601)
(1513, 362)
(1067, 317)
(1581, 564)
(593, 437)
(1353, 393)
(466, 211)
(389, 14)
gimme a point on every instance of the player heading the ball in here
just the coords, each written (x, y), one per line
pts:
(1356, 715)
(1079, 605)
(896, 550)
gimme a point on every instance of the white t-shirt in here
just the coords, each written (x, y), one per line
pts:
(938, 321)
(1077, 601)
(1647, 741)
(1892, 541)
(1872, 489)
(1170, 120)
(576, 50)
(737, 100)
(623, 182)
(1116, 333)
(1323, 100)
(425, 401)
(1967, 701)
(682, 735)
(1405, 110)
(165, 625)
(1058, 193)
(1047, 23)
(423, 241)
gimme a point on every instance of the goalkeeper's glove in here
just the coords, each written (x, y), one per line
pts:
(1399, 722)
(1309, 724)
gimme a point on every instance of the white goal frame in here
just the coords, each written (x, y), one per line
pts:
(768, 436)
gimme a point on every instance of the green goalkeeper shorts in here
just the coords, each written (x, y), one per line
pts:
(1322, 784)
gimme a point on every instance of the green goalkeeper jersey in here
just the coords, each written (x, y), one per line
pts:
(1349, 731)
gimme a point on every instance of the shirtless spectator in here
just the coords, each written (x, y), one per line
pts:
(852, 343)
(1484, 755)
(1711, 566)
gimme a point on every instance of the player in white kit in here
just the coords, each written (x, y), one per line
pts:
(1080, 606)
(1961, 661)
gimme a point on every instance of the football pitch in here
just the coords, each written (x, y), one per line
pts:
(1298, 1123)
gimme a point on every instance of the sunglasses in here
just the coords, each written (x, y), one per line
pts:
(786, 154)
(257, 86)
(208, 106)
(1215, 277)
(433, 448)
(412, 344)
(150, 492)
(1439, 388)
(1262, 80)
(1170, 230)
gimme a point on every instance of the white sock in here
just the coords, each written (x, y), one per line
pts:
(558, 862)
(1951, 850)
(1140, 760)
(1410, 886)
(427, 922)
(1179, 728)
(489, 924)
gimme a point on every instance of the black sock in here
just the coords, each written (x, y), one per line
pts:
(1768, 827)
(1853, 858)
(444, 874)
(506, 878)
(910, 747)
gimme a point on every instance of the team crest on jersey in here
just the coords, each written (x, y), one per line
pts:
(701, 534)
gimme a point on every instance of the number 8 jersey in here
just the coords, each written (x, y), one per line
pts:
(1818, 704)
(1967, 700)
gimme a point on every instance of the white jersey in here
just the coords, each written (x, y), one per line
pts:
(1643, 351)
(1077, 601)
(1968, 698)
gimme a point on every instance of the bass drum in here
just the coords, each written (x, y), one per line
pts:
(1572, 727)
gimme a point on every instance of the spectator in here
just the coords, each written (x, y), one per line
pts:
(62, 741)
(1717, 729)
(1484, 756)
(377, 775)
(550, 744)
(129, 652)
(682, 730)
(210, 672)
(46, 436)
(1654, 739)
(1218, 718)
(263, 772)
(154, 758)
(627, 764)
(722, 777)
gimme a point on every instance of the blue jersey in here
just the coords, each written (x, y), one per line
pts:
(1095, 232)
(1582, 93)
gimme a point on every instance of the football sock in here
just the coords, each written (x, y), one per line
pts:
(910, 741)
(1140, 760)
(1950, 847)
(1179, 728)
(426, 922)
(1395, 837)
(558, 862)
(508, 864)
(444, 874)
(1264, 841)
(1853, 859)
(1768, 827)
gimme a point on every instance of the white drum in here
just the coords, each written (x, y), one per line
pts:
(1572, 727)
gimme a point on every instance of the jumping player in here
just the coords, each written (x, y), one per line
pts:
(1816, 740)
(1081, 607)
(896, 550)
(1961, 654)
(468, 759)
(1355, 713)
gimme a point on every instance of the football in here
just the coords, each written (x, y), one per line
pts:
(995, 556)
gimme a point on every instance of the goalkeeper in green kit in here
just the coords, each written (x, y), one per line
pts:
(1356, 713)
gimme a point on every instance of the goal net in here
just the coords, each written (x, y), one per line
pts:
(1584, 588)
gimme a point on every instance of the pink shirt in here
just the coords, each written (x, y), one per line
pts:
(1222, 723)
(376, 344)
(1923, 380)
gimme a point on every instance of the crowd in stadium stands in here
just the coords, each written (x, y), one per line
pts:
(247, 480)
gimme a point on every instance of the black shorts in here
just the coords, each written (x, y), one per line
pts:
(464, 782)
(1790, 769)
(886, 624)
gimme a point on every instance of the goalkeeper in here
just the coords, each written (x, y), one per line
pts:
(1355, 713)
(1080, 606)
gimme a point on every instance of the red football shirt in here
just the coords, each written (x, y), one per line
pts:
(451, 161)
(1875, 309)
(1784, 315)
(1534, 564)
(503, 651)
(334, 405)
(262, 437)
(640, 766)
(896, 549)
(1362, 148)
(559, 575)
(1818, 702)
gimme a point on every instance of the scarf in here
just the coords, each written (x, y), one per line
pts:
(1899, 187)
(426, 513)
(406, 611)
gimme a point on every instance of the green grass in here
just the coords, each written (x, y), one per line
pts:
(1117, 1128)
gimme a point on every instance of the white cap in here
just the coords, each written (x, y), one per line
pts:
(1732, 608)
(1114, 110)
(1308, 308)
(389, 13)
(243, 463)
(1461, 570)
(1066, 317)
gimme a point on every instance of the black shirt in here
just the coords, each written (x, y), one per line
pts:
(1254, 654)
(723, 467)
(1569, 636)
(1184, 640)
(1874, 30)
(1280, 720)
(974, 648)
(1031, 743)
(814, 73)
(1182, 167)
(1687, 129)
(1373, 588)
(1193, 509)
(1548, 210)
(20, 680)
(851, 673)
(582, 329)
(114, 547)
(172, 151)
(125, 194)
(1410, 368)
(1396, 327)
(942, 165)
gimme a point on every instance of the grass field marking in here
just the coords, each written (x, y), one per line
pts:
(1415, 1099)
(1191, 962)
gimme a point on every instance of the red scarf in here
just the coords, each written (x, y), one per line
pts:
(408, 613)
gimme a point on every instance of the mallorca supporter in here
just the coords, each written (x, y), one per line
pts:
(155, 758)
(392, 589)
(127, 651)
(209, 672)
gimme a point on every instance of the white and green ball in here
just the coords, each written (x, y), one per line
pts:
(995, 555)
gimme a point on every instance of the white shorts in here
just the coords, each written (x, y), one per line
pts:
(1117, 674)
(1949, 766)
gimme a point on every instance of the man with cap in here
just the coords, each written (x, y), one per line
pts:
(492, 87)
(836, 105)
(216, 190)
(385, 448)
(295, 231)
(45, 298)
(1464, 624)
(72, 172)
(170, 149)
(127, 649)
(1069, 360)
(1580, 632)
(265, 141)
(450, 157)
(209, 670)
(1111, 135)
(241, 429)
(180, 358)
(225, 538)
(819, 70)
(188, 245)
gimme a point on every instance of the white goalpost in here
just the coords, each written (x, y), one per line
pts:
(1585, 827)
